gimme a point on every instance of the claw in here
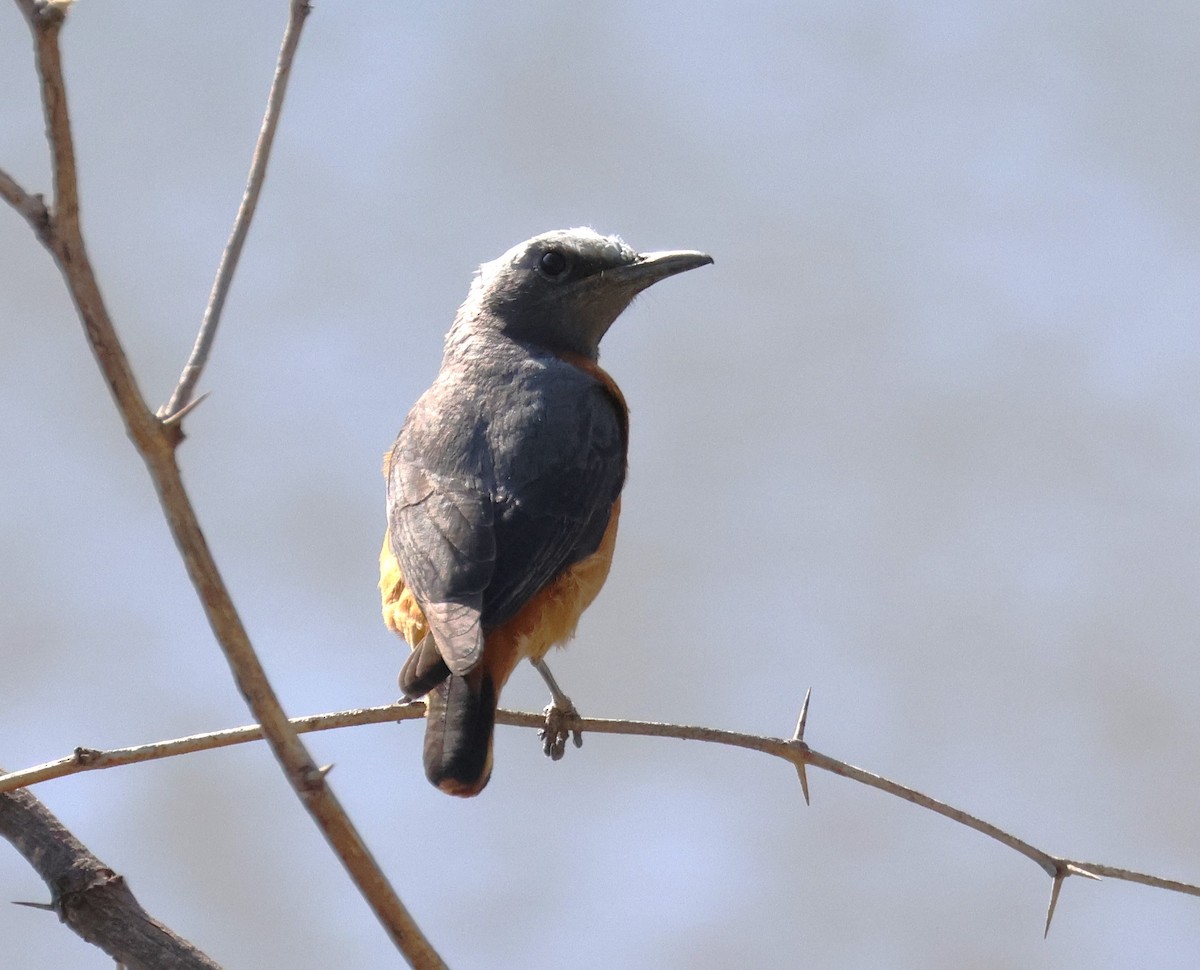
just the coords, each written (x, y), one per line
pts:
(561, 718)
(559, 726)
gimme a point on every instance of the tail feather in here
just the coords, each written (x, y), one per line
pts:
(459, 724)
(424, 669)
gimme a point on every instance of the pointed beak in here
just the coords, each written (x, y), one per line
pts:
(649, 268)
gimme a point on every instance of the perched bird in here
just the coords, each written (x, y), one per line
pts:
(504, 485)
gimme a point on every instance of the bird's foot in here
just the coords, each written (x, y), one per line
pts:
(562, 719)
(561, 723)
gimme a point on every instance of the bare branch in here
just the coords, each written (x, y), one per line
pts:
(31, 207)
(156, 443)
(241, 224)
(89, 897)
(793, 750)
(59, 230)
(156, 439)
(90, 759)
(45, 21)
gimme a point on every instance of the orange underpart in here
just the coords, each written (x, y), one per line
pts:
(401, 612)
(550, 617)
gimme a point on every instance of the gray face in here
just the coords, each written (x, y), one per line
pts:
(562, 290)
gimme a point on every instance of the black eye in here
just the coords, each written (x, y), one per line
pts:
(553, 263)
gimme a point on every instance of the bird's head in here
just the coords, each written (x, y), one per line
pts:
(562, 290)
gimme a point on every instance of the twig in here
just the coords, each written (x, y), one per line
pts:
(156, 443)
(31, 207)
(182, 394)
(793, 750)
(59, 229)
(88, 896)
(91, 759)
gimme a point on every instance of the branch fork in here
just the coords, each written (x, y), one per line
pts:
(157, 435)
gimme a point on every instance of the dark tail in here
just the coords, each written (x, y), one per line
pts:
(423, 670)
(459, 723)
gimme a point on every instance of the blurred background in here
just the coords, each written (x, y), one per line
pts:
(926, 439)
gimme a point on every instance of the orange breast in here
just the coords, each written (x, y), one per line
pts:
(550, 617)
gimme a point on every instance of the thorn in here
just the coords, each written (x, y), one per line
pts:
(52, 11)
(803, 773)
(49, 907)
(800, 724)
(1058, 881)
(798, 739)
(315, 777)
(173, 419)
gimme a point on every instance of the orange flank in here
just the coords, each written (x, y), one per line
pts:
(401, 612)
(549, 618)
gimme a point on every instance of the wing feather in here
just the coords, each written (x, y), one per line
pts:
(490, 498)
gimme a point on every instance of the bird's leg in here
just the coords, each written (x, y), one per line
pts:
(561, 716)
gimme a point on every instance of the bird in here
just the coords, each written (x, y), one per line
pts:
(504, 484)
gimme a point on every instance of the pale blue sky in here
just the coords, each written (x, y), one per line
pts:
(926, 438)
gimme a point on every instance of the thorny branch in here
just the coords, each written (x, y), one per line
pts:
(156, 440)
(793, 750)
(88, 896)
